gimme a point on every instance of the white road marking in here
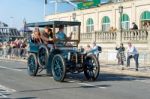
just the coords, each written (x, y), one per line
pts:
(10, 68)
(71, 81)
(5, 90)
(2, 95)
(90, 85)
(144, 81)
(86, 84)
(102, 87)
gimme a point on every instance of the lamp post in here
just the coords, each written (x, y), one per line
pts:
(74, 16)
(74, 19)
(121, 11)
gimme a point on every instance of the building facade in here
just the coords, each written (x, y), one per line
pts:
(106, 16)
(8, 34)
(97, 22)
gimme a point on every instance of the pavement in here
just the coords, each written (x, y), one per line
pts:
(144, 71)
(15, 83)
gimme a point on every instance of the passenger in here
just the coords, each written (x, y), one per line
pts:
(60, 35)
(47, 37)
(37, 36)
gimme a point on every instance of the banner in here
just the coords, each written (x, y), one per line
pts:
(88, 4)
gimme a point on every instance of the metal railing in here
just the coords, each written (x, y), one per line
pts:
(13, 53)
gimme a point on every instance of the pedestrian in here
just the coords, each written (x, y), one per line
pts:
(134, 26)
(96, 50)
(120, 54)
(88, 48)
(81, 49)
(132, 52)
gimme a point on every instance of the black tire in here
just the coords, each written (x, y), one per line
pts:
(32, 65)
(50, 58)
(92, 67)
(42, 56)
(58, 68)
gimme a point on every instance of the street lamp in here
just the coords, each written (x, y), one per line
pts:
(121, 11)
(74, 16)
(74, 19)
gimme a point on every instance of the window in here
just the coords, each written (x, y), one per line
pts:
(125, 22)
(89, 25)
(145, 15)
(145, 20)
(105, 23)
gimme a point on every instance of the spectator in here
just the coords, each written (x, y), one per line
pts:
(112, 29)
(135, 27)
(148, 25)
(132, 53)
(88, 48)
(120, 54)
(4, 48)
(95, 50)
(81, 49)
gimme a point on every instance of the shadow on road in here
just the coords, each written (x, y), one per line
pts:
(106, 77)
(23, 98)
(119, 77)
(20, 68)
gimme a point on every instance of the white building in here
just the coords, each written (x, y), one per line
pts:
(107, 15)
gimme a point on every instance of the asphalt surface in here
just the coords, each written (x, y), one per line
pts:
(15, 83)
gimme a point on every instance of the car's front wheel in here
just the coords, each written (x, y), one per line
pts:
(58, 68)
(92, 67)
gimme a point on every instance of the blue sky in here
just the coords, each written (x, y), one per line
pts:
(13, 12)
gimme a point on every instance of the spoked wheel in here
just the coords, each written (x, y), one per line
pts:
(58, 68)
(92, 67)
(42, 57)
(32, 65)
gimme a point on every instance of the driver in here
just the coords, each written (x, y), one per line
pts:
(60, 35)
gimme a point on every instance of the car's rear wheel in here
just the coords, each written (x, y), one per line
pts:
(92, 67)
(42, 55)
(58, 68)
(32, 65)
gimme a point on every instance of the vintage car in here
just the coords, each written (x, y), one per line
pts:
(62, 59)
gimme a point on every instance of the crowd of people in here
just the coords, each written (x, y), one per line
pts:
(13, 49)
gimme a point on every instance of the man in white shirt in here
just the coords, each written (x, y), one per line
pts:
(132, 53)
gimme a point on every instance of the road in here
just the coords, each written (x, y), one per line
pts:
(15, 83)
